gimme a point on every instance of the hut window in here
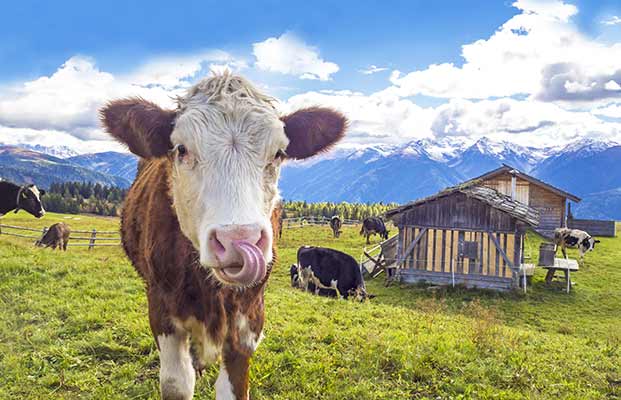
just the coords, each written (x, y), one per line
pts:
(470, 250)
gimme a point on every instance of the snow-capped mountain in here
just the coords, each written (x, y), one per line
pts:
(55, 151)
(588, 168)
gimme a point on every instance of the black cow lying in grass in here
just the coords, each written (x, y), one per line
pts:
(15, 197)
(330, 270)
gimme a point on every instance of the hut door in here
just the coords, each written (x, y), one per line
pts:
(468, 252)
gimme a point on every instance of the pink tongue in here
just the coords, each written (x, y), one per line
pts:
(253, 269)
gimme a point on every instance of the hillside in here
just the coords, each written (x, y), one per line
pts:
(74, 325)
(27, 166)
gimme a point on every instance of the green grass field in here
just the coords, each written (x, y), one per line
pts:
(74, 325)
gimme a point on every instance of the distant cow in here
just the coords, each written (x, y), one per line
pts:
(26, 197)
(330, 269)
(372, 226)
(336, 224)
(56, 236)
(574, 238)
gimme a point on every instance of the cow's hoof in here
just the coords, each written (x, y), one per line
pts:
(172, 391)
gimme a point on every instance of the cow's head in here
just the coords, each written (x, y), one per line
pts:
(588, 244)
(385, 234)
(295, 276)
(360, 293)
(29, 199)
(225, 143)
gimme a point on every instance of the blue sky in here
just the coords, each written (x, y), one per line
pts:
(442, 68)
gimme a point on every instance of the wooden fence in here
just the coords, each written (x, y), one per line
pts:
(593, 227)
(301, 222)
(90, 239)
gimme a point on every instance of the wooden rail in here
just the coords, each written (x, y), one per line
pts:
(92, 240)
(301, 222)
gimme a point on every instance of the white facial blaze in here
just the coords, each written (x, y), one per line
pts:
(229, 174)
(37, 194)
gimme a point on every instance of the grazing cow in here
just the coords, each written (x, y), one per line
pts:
(15, 197)
(199, 220)
(336, 224)
(373, 225)
(330, 269)
(565, 237)
(56, 236)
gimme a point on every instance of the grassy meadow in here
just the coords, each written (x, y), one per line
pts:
(74, 325)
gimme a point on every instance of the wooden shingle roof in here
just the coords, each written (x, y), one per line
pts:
(509, 169)
(485, 194)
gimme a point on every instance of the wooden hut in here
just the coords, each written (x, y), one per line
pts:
(471, 235)
(550, 201)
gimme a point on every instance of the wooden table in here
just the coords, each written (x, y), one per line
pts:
(562, 264)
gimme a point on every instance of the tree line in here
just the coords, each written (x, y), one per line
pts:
(357, 211)
(94, 198)
(84, 197)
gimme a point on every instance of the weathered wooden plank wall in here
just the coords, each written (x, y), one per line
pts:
(593, 227)
(442, 251)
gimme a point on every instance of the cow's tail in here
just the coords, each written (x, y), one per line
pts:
(362, 229)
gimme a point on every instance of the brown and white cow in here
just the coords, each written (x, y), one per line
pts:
(199, 221)
(56, 236)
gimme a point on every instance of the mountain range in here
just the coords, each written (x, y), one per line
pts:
(589, 169)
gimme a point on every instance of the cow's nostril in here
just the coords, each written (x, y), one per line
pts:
(262, 242)
(216, 245)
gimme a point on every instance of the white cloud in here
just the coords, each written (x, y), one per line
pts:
(379, 118)
(518, 60)
(612, 85)
(288, 54)
(522, 121)
(52, 138)
(67, 101)
(614, 20)
(372, 69)
(610, 110)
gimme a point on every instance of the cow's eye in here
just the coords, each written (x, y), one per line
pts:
(181, 150)
(280, 155)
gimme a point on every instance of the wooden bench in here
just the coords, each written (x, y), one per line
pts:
(565, 265)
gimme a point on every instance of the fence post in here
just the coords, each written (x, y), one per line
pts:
(91, 243)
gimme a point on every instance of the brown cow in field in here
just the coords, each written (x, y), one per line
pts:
(56, 236)
(199, 221)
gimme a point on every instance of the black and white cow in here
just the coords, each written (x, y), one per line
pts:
(15, 197)
(574, 238)
(330, 269)
(295, 282)
(336, 224)
(373, 225)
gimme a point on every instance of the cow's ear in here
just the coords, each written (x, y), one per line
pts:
(313, 130)
(141, 125)
(41, 192)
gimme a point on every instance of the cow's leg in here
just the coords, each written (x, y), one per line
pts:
(368, 242)
(564, 250)
(232, 382)
(334, 285)
(65, 245)
(177, 376)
